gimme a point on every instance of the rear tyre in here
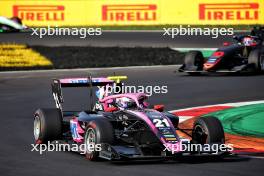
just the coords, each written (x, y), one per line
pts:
(194, 59)
(97, 132)
(255, 59)
(47, 125)
(208, 130)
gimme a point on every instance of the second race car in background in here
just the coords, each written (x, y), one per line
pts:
(13, 24)
(246, 55)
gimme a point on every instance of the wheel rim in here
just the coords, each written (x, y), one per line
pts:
(36, 127)
(200, 135)
(90, 139)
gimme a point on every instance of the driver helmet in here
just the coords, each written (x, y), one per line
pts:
(248, 41)
(125, 102)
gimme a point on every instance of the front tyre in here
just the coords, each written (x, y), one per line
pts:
(47, 125)
(194, 61)
(208, 130)
(97, 132)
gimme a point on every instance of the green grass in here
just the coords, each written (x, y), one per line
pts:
(244, 120)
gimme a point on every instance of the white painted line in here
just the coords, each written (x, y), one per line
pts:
(201, 49)
(224, 104)
(190, 108)
(184, 118)
(90, 69)
(245, 103)
(238, 104)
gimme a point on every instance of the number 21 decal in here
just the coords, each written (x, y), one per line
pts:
(159, 123)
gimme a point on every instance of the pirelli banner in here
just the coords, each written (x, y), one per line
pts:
(134, 12)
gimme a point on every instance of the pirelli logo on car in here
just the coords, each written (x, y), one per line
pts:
(39, 12)
(229, 11)
(133, 12)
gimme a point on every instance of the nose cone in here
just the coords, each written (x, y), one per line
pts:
(208, 66)
(213, 60)
(211, 63)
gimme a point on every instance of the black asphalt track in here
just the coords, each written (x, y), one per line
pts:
(117, 38)
(22, 93)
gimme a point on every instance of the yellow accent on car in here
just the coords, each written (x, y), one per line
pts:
(13, 55)
(170, 139)
(117, 79)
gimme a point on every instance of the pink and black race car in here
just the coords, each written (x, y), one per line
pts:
(123, 125)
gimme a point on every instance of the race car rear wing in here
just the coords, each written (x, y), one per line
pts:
(84, 82)
(57, 84)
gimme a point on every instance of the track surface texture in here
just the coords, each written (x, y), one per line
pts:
(22, 93)
(122, 39)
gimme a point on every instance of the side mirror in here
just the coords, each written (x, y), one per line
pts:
(159, 108)
(226, 44)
